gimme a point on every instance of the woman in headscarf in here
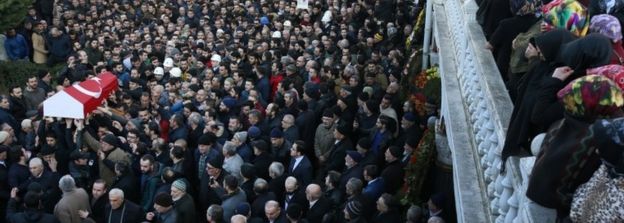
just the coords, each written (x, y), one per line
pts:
(600, 199)
(545, 48)
(592, 51)
(610, 27)
(567, 159)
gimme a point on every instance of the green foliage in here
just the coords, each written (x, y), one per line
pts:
(16, 72)
(13, 12)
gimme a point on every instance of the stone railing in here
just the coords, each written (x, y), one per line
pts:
(476, 110)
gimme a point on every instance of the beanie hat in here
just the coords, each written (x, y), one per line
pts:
(159, 71)
(606, 25)
(242, 209)
(206, 139)
(396, 151)
(163, 199)
(216, 162)
(229, 102)
(241, 136)
(111, 139)
(343, 129)
(254, 132)
(354, 208)
(410, 117)
(357, 157)
(264, 20)
(179, 184)
(277, 133)
(168, 62)
(175, 72)
(365, 143)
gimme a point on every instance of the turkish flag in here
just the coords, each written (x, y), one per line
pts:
(78, 100)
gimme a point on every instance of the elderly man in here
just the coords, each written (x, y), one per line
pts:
(293, 193)
(319, 204)
(238, 219)
(121, 210)
(47, 180)
(274, 213)
(232, 162)
(108, 150)
(163, 205)
(291, 132)
(74, 199)
(214, 214)
(183, 202)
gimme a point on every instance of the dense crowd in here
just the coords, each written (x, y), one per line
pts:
(562, 63)
(227, 111)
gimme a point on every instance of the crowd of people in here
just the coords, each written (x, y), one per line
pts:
(562, 63)
(227, 111)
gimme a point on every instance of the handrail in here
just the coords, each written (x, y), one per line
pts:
(476, 110)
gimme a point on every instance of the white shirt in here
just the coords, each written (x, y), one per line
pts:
(297, 161)
(312, 203)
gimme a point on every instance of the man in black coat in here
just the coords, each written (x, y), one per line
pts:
(353, 168)
(99, 200)
(294, 194)
(274, 213)
(120, 210)
(393, 173)
(4, 180)
(263, 159)
(32, 212)
(300, 166)
(319, 205)
(278, 178)
(335, 160)
(263, 195)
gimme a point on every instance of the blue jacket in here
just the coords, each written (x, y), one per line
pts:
(303, 172)
(16, 47)
(374, 189)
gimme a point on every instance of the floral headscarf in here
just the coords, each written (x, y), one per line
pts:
(615, 72)
(590, 97)
(606, 25)
(567, 14)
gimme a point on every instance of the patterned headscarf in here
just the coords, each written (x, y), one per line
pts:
(606, 25)
(525, 7)
(615, 72)
(590, 97)
(567, 14)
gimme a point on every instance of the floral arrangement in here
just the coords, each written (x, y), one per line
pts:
(418, 168)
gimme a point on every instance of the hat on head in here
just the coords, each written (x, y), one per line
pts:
(355, 156)
(567, 14)
(206, 139)
(241, 136)
(365, 143)
(277, 133)
(354, 208)
(168, 62)
(276, 35)
(175, 72)
(76, 154)
(242, 209)
(409, 116)
(3, 136)
(159, 71)
(179, 184)
(264, 20)
(229, 102)
(254, 132)
(396, 151)
(163, 199)
(291, 68)
(287, 23)
(216, 162)
(111, 139)
(343, 129)
(216, 57)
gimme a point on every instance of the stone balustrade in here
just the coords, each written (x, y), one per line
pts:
(476, 110)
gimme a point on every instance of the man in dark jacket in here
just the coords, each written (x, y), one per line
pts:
(393, 173)
(263, 159)
(59, 46)
(319, 204)
(183, 202)
(32, 212)
(120, 210)
(353, 168)
(300, 166)
(335, 160)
